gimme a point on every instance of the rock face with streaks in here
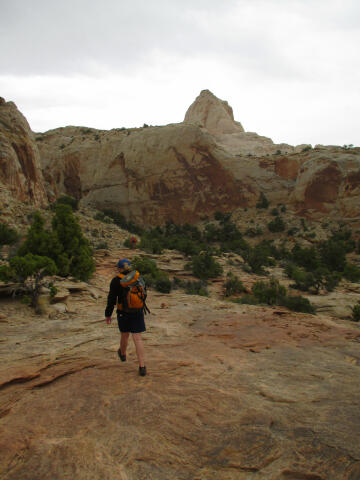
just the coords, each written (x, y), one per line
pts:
(178, 172)
(20, 170)
(233, 391)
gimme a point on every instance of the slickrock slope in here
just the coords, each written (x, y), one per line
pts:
(233, 392)
(20, 172)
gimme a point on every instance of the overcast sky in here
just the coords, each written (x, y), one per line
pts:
(290, 69)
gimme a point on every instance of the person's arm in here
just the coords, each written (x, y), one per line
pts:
(111, 300)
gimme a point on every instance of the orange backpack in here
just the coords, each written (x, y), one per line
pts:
(135, 293)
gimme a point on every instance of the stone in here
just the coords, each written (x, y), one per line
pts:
(60, 296)
(43, 304)
(60, 307)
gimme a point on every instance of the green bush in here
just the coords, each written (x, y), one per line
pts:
(246, 299)
(352, 272)
(298, 304)
(29, 271)
(66, 200)
(276, 225)
(263, 201)
(8, 236)
(356, 312)
(270, 292)
(233, 286)
(145, 265)
(64, 244)
(163, 284)
(204, 266)
(274, 212)
(152, 275)
(101, 217)
(253, 232)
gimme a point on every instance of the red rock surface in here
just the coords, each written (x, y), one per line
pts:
(233, 392)
(20, 171)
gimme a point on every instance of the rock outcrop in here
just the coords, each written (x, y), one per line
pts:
(20, 170)
(180, 172)
(213, 114)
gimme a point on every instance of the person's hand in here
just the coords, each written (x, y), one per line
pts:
(108, 320)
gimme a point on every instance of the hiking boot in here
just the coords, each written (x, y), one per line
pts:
(121, 356)
(142, 371)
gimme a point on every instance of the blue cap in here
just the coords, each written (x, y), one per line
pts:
(124, 263)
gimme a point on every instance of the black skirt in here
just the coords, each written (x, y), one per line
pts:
(132, 322)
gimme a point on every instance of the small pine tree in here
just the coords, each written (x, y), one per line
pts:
(263, 201)
(74, 244)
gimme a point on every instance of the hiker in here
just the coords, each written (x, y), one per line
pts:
(130, 317)
(133, 242)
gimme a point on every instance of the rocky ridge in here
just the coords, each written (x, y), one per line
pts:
(180, 172)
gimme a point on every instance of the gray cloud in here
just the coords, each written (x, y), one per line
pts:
(115, 63)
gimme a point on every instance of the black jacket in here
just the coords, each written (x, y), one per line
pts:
(116, 295)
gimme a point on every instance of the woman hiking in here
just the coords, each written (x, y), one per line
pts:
(130, 320)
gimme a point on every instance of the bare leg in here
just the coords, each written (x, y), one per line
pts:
(124, 342)
(139, 348)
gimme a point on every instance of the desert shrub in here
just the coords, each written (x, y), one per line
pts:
(303, 280)
(233, 286)
(163, 283)
(102, 246)
(292, 231)
(204, 266)
(121, 221)
(64, 244)
(192, 287)
(145, 265)
(152, 275)
(298, 304)
(303, 224)
(352, 272)
(66, 200)
(263, 201)
(75, 247)
(333, 254)
(274, 212)
(253, 232)
(246, 299)
(308, 258)
(259, 256)
(8, 236)
(270, 292)
(101, 217)
(276, 225)
(356, 312)
(29, 271)
(283, 209)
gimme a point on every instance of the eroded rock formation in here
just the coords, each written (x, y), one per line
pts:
(178, 172)
(20, 170)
